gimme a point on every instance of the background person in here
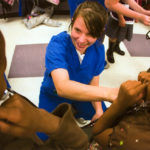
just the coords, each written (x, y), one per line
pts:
(138, 13)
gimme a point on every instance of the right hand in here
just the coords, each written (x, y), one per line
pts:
(130, 93)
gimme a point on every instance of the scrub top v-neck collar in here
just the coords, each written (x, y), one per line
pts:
(75, 59)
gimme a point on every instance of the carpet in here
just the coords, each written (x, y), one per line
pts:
(28, 61)
(138, 46)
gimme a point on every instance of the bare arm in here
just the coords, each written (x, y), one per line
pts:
(136, 7)
(97, 105)
(78, 91)
(19, 118)
(130, 93)
(116, 6)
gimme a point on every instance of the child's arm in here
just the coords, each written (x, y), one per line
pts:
(130, 93)
(116, 6)
(97, 105)
(136, 7)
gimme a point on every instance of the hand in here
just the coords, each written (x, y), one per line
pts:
(19, 118)
(145, 19)
(97, 115)
(130, 93)
(122, 22)
(144, 77)
(147, 12)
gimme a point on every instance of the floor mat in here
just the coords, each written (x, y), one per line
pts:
(28, 61)
(138, 46)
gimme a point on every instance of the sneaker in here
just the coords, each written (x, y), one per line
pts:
(82, 122)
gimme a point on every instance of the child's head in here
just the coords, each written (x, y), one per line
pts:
(94, 15)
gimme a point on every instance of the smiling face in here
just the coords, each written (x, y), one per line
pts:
(80, 35)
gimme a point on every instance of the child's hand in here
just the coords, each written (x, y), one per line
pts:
(130, 93)
(144, 77)
(144, 19)
(122, 22)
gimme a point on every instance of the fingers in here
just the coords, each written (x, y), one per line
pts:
(18, 131)
(144, 77)
(131, 92)
(12, 129)
(140, 91)
(12, 115)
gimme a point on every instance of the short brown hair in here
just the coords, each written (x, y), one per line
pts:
(94, 15)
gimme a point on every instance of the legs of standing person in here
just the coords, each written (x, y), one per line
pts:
(114, 46)
(109, 53)
(116, 34)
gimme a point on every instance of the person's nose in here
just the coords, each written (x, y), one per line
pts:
(82, 38)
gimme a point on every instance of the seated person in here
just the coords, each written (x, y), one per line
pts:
(126, 125)
(20, 120)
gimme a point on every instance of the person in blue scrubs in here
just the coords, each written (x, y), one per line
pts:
(73, 64)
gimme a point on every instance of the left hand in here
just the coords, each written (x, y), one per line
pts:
(97, 115)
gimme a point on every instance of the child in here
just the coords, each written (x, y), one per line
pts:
(121, 27)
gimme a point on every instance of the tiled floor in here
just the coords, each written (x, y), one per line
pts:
(15, 32)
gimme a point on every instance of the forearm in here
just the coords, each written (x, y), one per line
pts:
(97, 106)
(119, 8)
(82, 92)
(108, 118)
(136, 7)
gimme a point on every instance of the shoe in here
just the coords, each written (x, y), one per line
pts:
(110, 56)
(118, 50)
(82, 122)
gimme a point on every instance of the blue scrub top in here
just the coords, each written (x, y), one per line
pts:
(61, 53)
